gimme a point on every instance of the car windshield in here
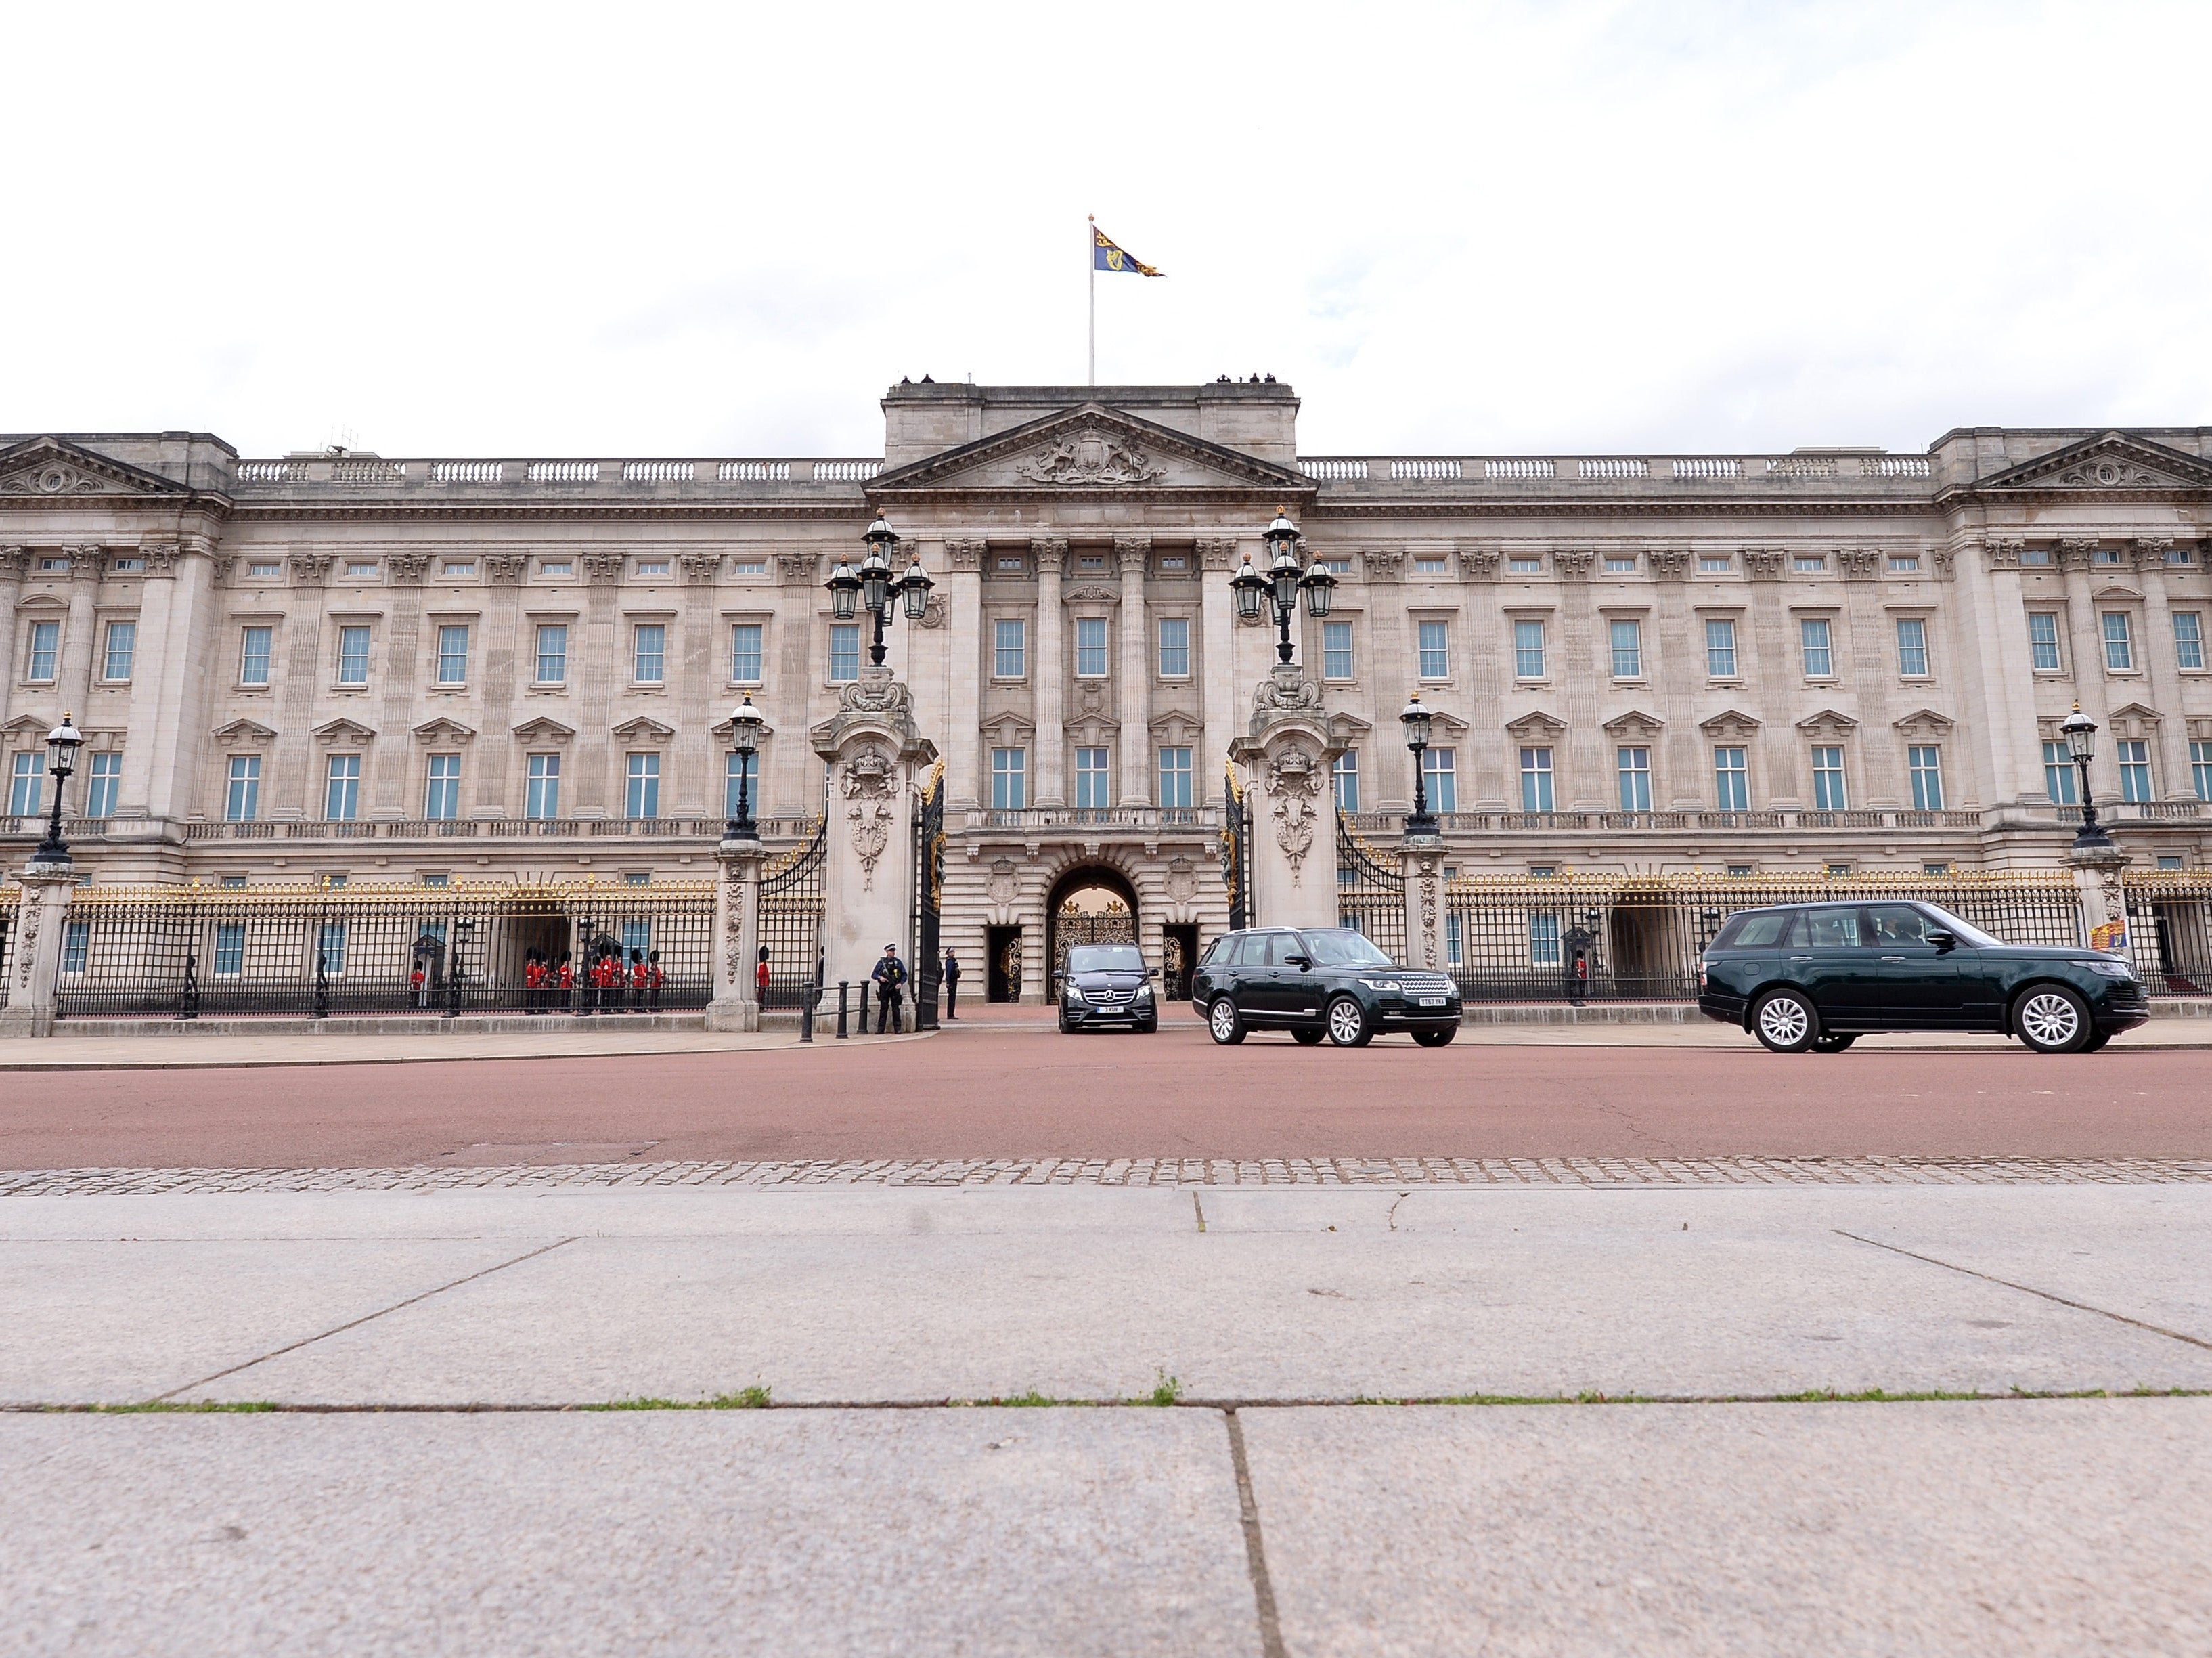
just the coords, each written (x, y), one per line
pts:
(1106, 959)
(1969, 934)
(1342, 947)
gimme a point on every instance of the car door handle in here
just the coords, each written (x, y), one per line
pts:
(1893, 958)
(1800, 958)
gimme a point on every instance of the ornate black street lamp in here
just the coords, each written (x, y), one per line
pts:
(1415, 719)
(2080, 732)
(874, 585)
(745, 742)
(1286, 578)
(62, 744)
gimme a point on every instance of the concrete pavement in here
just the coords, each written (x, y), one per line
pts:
(411, 1521)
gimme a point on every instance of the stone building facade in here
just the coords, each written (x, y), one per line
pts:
(341, 664)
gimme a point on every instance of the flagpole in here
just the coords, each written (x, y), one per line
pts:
(1090, 264)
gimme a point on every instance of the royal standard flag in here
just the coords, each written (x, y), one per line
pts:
(1105, 256)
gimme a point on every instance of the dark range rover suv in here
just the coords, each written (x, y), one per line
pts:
(1818, 975)
(1322, 981)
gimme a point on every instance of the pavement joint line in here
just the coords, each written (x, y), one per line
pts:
(2029, 1289)
(1255, 1550)
(1305, 1173)
(352, 1324)
(1457, 1401)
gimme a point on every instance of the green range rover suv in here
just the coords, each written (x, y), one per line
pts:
(1316, 982)
(1816, 976)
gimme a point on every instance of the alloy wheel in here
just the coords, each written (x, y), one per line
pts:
(1221, 1018)
(1784, 1021)
(1347, 1024)
(2050, 1019)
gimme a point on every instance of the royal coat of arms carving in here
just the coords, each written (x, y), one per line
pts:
(1089, 457)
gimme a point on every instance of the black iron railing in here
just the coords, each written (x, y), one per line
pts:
(791, 921)
(1370, 891)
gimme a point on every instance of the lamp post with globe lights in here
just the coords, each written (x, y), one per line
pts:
(1285, 579)
(745, 724)
(2081, 734)
(62, 744)
(1416, 719)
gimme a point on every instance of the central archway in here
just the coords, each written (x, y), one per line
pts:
(1091, 904)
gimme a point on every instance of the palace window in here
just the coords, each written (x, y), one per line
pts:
(230, 946)
(1627, 650)
(45, 652)
(76, 946)
(26, 782)
(556, 567)
(1813, 635)
(1336, 650)
(1720, 648)
(460, 567)
(353, 657)
(1620, 564)
(731, 769)
(453, 656)
(101, 785)
(1536, 780)
(749, 567)
(844, 652)
(331, 947)
(1435, 650)
(1925, 761)
(2043, 641)
(341, 788)
(1634, 766)
(2188, 640)
(361, 567)
(1829, 792)
(1009, 649)
(253, 656)
(641, 798)
(1524, 566)
(1091, 647)
(2035, 555)
(1346, 770)
(541, 794)
(745, 653)
(2058, 774)
(1544, 940)
(649, 653)
(1715, 563)
(1009, 779)
(134, 565)
(2119, 643)
(2135, 771)
(242, 801)
(1527, 650)
(1731, 779)
(1092, 777)
(1911, 648)
(2200, 768)
(1904, 564)
(441, 788)
(1174, 777)
(2105, 555)
(122, 652)
(652, 567)
(552, 654)
(1174, 646)
(1439, 773)
(1428, 567)
(1809, 563)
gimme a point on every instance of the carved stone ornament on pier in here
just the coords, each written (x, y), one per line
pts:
(1280, 694)
(1089, 457)
(1293, 786)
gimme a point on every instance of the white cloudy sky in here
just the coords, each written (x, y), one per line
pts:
(1496, 227)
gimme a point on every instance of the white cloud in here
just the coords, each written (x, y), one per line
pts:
(553, 229)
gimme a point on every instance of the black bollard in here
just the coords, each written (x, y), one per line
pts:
(842, 985)
(806, 1016)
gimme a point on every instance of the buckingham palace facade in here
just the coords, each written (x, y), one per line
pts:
(339, 664)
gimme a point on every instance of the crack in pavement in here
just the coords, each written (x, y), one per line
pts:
(352, 1324)
(1255, 1552)
(2030, 1289)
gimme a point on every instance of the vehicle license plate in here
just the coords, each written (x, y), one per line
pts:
(1432, 1002)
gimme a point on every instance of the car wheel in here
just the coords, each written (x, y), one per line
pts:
(2052, 1019)
(1785, 1021)
(1223, 1023)
(1835, 1044)
(1347, 1023)
(1435, 1039)
(1065, 1029)
(1305, 1039)
(2096, 1041)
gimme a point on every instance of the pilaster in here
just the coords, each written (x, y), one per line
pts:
(1050, 759)
(1135, 699)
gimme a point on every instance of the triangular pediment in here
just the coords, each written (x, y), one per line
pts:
(631, 730)
(1828, 722)
(343, 730)
(1924, 722)
(243, 731)
(1729, 723)
(2132, 721)
(1093, 448)
(47, 468)
(442, 729)
(2114, 461)
(1535, 724)
(1635, 723)
(546, 729)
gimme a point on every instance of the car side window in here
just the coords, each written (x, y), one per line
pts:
(1759, 932)
(1897, 924)
(1281, 947)
(1251, 950)
(1833, 929)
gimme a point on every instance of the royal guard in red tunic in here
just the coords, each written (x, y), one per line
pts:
(533, 983)
(415, 986)
(653, 980)
(637, 980)
(607, 973)
(564, 979)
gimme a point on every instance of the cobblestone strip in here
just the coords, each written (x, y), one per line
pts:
(1402, 1172)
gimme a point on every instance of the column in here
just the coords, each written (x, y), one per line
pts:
(736, 1004)
(1590, 785)
(1216, 557)
(390, 780)
(12, 561)
(1996, 674)
(34, 955)
(290, 790)
(962, 591)
(2158, 657)
(493, 788)
(1774, 667)
(1135, 701)
(73, 683)
(604, 654)
(1049, 760)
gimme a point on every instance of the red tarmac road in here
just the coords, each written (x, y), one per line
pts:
(1024, 1093)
